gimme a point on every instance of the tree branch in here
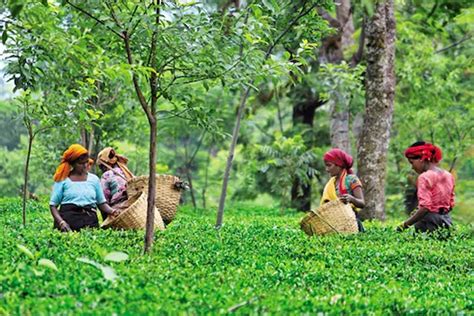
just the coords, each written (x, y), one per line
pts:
(357, 57)
(154, 75)
(188, 164)
(141, 97)
(112, 13)
(174, 115)
(462, 40)
(94, 18)
(326, 16)
(288, 28)
(132, 16)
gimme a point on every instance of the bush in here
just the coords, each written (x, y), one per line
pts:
(260, 262)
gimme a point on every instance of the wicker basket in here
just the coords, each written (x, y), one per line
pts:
(331, 217)
(167, 193)
(134, 216)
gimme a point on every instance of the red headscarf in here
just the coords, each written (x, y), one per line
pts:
(70, 155)
(341, 159)
(426, 151)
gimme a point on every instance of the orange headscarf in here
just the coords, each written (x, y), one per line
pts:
(70, 155)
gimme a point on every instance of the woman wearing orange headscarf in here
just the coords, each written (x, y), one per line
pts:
(115, 177)
(77, 192)
(343, 184)
(435, 189)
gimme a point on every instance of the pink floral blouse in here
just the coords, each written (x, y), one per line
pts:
(114, 186)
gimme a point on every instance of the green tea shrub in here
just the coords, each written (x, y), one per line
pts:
(259, 262)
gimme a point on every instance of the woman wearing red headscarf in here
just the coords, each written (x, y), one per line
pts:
(435, 189)
(344, 184)
(77, 192)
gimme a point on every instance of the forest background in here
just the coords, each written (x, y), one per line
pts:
(68, 79)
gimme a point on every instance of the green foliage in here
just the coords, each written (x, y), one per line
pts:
(341, 84)
(10, 125)
(286, 160)
(260, 256)
(81, 81)
(434, 101)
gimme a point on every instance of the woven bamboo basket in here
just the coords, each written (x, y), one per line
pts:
(134, 216)
(167, 193)
(331, 217)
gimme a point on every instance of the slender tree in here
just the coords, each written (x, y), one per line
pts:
(295, 16)
(166, 45)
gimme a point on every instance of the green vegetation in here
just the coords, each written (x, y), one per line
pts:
(299, 77)
(260, 259)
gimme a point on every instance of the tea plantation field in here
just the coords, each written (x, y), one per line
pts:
(259, 263)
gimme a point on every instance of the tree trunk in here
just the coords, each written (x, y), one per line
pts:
(90, 145)
(206, 178)
(301, 202)
(83, 137)
(344, 16)
(25, 184)
(191, 188)
(340, 129)
(332, 51)
(303, 113)
(220, 212)
(150, 217)
(380, 92)
(230, 157)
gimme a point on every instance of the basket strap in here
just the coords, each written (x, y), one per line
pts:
(112, 169)
(326, 222)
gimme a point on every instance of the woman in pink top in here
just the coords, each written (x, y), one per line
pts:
(435, 188)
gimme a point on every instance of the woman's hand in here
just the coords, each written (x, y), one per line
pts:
(402, 227)
(114, 213)
(107, 209)
(346, 198)
(64, 226)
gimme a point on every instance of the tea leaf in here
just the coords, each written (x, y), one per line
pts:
(116, 256)
(26, 251)
(47, 263)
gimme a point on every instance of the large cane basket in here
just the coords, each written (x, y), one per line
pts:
(331, 217)
(167, 193)
(134, 216)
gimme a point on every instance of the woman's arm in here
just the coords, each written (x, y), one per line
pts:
(418, 215)
(357, 199)
(61, 222)
(104, 207)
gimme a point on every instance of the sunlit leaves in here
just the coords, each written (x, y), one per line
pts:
(26, 251)
(116, 256)
(107, 272)
(48, 264)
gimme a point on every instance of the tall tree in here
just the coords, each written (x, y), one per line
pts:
(166, 45)
(380, 93)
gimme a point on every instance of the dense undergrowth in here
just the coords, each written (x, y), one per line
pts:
(260, 262)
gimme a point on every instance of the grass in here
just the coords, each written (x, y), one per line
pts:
(260, 262)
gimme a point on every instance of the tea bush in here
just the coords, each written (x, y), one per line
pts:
(260, 262)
